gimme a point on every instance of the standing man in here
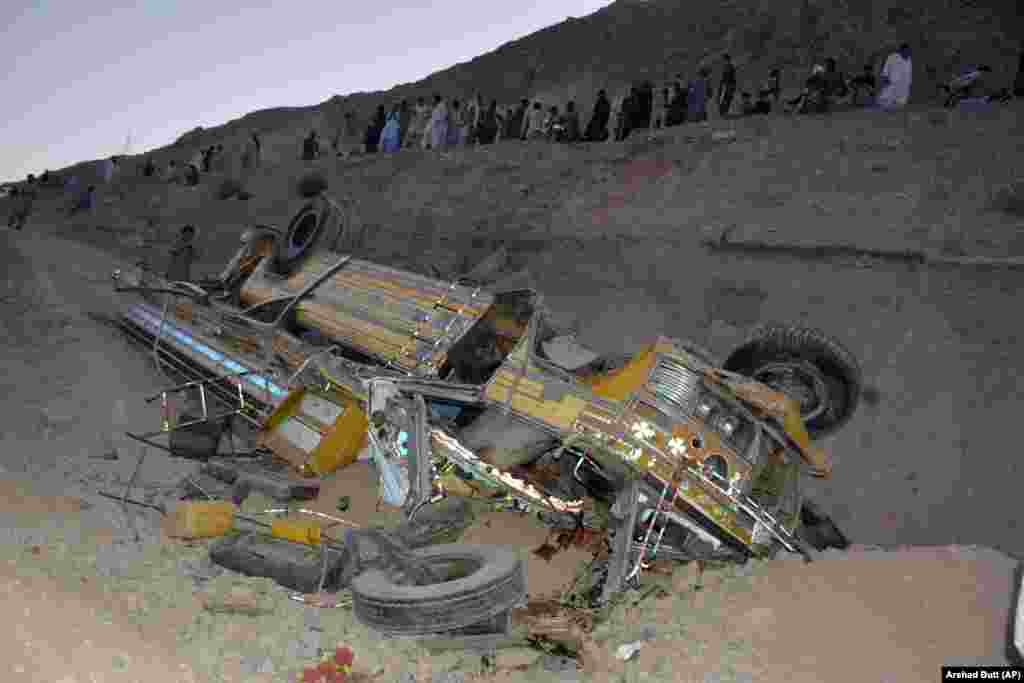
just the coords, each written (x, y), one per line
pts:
(414, 133)
(23, 208)
(439, 123)
(514, 123)
(698, 95)
(896, 77)
(183, 252)
(597, 129)
(727, 88)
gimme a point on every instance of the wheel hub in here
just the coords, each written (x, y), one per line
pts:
(801, 382)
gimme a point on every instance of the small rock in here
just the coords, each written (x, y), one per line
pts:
(712, 677)
(627, 651)
(448, 677)
(745, 569)
(258, 664)
(200, 569)
(648, 632)
(311, 619)
(556, 664)
(407, 677)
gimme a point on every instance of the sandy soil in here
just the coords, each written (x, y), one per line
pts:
(612, 235)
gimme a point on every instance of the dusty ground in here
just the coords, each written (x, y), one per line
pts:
(612, 235)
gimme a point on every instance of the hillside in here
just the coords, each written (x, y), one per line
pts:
(658, 39)
(612, 235)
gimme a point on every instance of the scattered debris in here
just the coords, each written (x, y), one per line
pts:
(627, 651)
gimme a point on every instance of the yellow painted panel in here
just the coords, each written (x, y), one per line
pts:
(298, 531)
(620, 384)
(795, 427)
(343, 441)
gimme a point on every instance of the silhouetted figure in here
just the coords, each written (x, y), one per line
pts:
(698, 94)
(727, 86)
(864, 85)
(676, 113)
(439, 122)
(487, 129)
(183, 252)
(1018, 83)
(570, 124)
(517, 121)
(311, 147)
(597, 129)
(404, 121)
(374, 129)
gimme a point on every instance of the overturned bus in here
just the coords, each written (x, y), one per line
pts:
(481, 393)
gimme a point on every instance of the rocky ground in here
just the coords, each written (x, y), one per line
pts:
(614, 235)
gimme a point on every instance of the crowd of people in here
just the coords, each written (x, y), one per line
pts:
(451, 122)
(444, 122)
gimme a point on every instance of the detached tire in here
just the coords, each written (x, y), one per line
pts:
(807, 365)
(484, 581)
(303, 234)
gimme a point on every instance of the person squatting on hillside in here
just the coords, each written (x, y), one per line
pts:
(897, 74)
(835, 88)
(597, 128)
(390, 137)
(727, 86)
(812, 98)
(969, 83)
(439, 123)
(864, 86)
(83, 201)
(551, 124)
(570, 124)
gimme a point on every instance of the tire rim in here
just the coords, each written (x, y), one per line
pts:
(305, 232)
(802, 382)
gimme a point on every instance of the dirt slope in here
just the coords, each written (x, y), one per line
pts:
(658, 39)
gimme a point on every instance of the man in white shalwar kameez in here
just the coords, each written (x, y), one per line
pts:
(896, 77)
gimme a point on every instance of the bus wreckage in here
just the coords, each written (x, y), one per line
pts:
(458, 390)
